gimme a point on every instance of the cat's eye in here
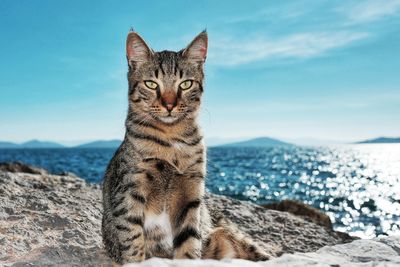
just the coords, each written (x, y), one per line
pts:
(186, 84)
(151, 85)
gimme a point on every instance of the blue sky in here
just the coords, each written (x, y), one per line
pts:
(287, 69)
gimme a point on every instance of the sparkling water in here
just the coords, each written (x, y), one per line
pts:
(358, 186)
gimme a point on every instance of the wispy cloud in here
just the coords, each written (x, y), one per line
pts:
(268, 14)
(372, 10)
(335, 31)
(229, 51)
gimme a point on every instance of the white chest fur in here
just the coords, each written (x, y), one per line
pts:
(162, 222)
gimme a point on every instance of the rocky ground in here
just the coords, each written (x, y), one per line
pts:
(379, 252)
(54, 220)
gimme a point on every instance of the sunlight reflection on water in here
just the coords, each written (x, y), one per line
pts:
(356, 185)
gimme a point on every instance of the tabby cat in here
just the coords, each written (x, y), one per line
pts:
(154, 185)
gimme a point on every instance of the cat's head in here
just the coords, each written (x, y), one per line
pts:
(165, 86)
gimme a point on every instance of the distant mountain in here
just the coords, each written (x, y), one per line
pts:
(8, 145)
(315, 141)
(380, 140)
(40, 144)
(258, 142)
(31, 144)
(101, 144)
(218, 141)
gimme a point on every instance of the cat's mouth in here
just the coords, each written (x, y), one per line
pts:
(168, 119)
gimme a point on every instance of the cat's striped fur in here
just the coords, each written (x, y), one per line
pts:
(154, 185)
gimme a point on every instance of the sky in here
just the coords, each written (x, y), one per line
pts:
(294, 70)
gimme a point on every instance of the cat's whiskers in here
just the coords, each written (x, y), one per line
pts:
(143, 121)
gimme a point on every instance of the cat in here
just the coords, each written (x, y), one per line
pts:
(154, 185)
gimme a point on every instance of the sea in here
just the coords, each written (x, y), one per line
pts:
(358, 186)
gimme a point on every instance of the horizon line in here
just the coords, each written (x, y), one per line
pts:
(221, 140)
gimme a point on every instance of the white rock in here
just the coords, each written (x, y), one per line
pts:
(360, 253)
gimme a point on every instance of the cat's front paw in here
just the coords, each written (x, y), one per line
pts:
(187, 255)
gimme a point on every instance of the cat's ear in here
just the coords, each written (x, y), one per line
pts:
(136, 49)
(197, 49)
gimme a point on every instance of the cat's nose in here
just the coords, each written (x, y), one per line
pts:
(169, 100)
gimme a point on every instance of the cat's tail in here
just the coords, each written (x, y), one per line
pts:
(226, 241)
